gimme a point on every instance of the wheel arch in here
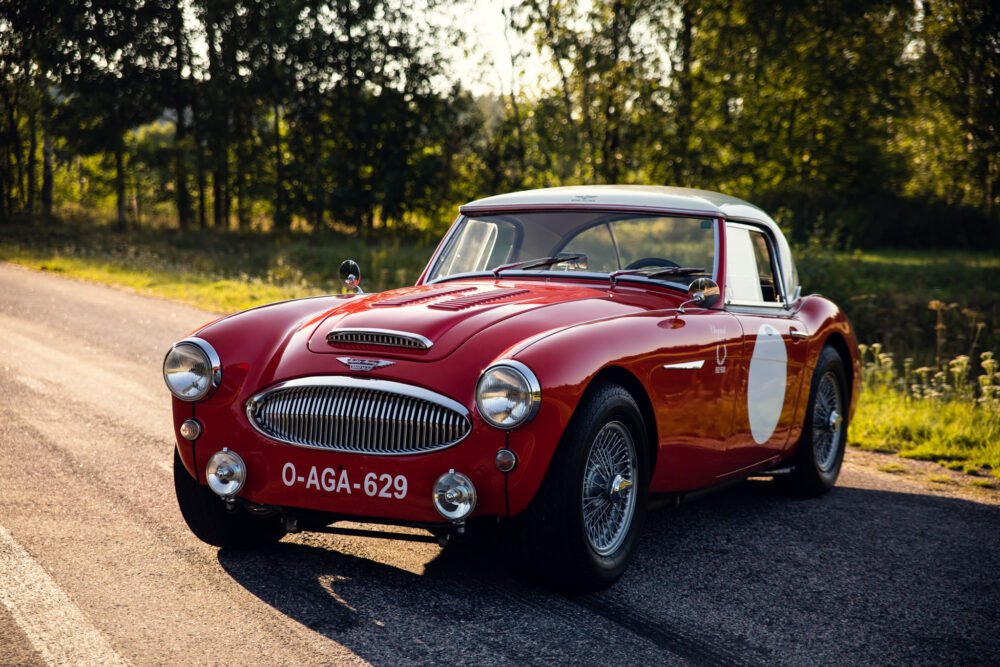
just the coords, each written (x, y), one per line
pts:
(631, 384)
(840, 346)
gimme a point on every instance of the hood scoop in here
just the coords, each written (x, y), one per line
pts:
(379, 337)
(407, 299)
(470, 300)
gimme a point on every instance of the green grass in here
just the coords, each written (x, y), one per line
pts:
(946, 416)
(965, 433)
(218, 271)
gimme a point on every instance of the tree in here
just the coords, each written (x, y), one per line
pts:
(111, 59)
(958, 58)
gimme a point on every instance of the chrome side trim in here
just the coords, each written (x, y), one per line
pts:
(383, 337)
(685, 365)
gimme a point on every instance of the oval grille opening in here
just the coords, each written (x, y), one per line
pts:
(359, 416)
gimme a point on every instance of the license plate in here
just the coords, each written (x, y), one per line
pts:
(340, 481)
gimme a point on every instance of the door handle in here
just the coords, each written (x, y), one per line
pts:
(796, 334)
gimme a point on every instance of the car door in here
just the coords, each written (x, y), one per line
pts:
(774, 349)
(694, 386)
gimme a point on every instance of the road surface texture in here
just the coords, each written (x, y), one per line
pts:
(97, 566)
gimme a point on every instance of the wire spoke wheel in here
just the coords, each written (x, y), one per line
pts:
(827, 422)
(609, 488)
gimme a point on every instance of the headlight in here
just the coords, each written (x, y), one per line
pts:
(508, 394)
(191, 369)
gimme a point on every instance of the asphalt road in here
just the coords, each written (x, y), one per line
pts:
(97, 566)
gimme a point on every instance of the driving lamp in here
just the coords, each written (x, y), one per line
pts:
(454, 496)
(226, 473)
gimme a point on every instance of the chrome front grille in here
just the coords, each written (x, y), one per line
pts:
(379, 337)
(358, 415)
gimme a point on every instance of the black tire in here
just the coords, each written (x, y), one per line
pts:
(212, 522)
(820, 452)
(555, 539)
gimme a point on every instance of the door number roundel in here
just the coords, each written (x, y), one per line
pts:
(767, 383)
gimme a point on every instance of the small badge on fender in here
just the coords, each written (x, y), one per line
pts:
(365, 365)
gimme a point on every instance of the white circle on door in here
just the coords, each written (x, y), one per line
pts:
(766, 384)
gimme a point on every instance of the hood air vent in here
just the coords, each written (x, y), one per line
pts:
(462, 302)
(382, 337)
(407, 299)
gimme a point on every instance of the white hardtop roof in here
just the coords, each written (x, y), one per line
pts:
(639, 196)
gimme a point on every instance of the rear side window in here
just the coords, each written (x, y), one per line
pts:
(750, 274)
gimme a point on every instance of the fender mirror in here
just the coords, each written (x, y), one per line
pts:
(350, 275)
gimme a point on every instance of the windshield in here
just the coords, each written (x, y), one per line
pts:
(580, 242)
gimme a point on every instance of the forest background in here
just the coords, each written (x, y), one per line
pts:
(871, 122)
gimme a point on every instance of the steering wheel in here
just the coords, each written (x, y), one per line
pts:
(651, 261)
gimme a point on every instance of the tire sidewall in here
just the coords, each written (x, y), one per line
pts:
(829, 362)
(610, 403)
(208, 518)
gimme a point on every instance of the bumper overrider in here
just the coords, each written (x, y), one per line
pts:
(348, 446)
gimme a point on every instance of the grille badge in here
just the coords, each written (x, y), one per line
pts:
(365, 365)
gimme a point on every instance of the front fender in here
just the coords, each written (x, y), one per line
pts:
(566, 364)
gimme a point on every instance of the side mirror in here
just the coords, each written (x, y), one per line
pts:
(704, 292)
(350, 275)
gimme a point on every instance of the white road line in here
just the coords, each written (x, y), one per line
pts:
(56, 627)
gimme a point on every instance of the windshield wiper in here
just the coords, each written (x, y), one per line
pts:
(538, 263)
(666, 271)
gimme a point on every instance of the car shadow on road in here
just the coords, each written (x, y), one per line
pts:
(747, 576)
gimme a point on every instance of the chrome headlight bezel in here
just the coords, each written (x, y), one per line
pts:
(525, 383)
(210, 361)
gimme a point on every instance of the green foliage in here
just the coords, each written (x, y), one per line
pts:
(886, 296)
(930, 413)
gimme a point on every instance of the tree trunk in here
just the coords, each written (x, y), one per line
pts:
(180, 172)
(200, 168)
(220, 183)
(685, 98)
(241, 185)
(227, 191)
(32, 159)
(180, 127)
(47, 170)
(120, 183)
(17, 173)
(281, 218)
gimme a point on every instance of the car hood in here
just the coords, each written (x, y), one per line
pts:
(429, 322)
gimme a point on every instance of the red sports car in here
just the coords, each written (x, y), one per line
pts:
(567, 354)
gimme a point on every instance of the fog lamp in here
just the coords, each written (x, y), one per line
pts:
(454, 496)
(226, 473)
